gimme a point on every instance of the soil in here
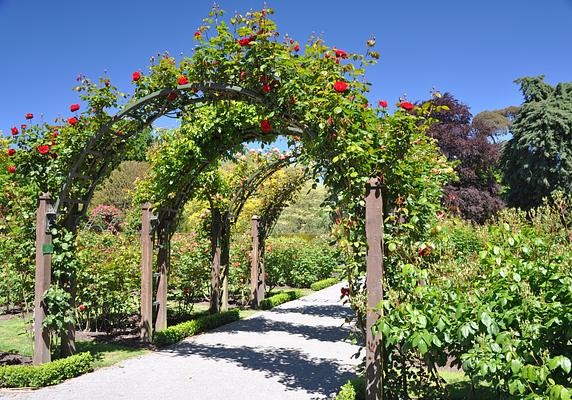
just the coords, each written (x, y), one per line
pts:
(14, 359)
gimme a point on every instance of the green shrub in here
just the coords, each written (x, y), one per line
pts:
(52, 373)
(352, 390)
(295, 262)
(324, 283)
(176, 333)
(280, 298)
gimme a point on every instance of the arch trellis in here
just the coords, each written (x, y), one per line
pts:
(318, 94)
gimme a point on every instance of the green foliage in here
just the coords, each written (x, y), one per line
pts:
(324, 283)
(175, 333)
(280, 298)
(352, 390)
(47, 374)
(295, 262)
(537, 160)
(118, 189)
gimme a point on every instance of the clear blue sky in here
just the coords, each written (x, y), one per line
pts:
(474, 49)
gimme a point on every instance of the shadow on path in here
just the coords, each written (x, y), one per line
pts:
(335, 311)
(293, 368)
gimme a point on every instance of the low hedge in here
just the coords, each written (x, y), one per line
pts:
(352, 390)
(52, 373)
(324, 283)
(176, 333)
(280, 298)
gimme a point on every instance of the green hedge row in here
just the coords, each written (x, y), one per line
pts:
(352, 390)
(176, 333)
(324, 283)
(280, 298)
(52, 373)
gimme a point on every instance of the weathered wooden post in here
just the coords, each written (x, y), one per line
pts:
(44, 249)
(255, 295)
(163, 264)
(215, 264)
(146, 274)
(374, 285)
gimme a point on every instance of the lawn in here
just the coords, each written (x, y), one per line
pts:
(15, 337)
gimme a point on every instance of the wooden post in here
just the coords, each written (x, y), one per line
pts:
(43, 280)
(254, 263)
(224, 262)
(146, 274)
(163, 264)
(374, 285)
(261, 289)
(215, 264)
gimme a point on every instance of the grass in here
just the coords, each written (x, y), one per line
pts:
(15, 338)
(459, 387)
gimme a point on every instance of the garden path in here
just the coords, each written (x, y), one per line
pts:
(298, 350)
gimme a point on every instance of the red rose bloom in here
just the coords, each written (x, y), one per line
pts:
(198, 34)
(14, 130)
(265, 126)
(11, 169)
(56, 134)
(266, 88)
(44, 149)
(340, 86)
(345, 291)
(29, 116)
(11, 152)
(246, 41)
(183, 80)
(73, 121)
(341, 54)
(106, 83)
(383, 103)
(54, 156)
(74, 107)
(297, 47)
(243, 75)
(136, 76)
(82, 308)
(407, 106)
(172, 96)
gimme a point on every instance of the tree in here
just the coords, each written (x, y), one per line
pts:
(118, 189)
(475, 195)
(538, 159)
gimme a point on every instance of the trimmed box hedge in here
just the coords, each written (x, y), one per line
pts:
(52, 373)
(176, 333)
(280, 298)
(324, 283)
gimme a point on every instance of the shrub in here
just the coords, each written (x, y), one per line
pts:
(297, 262)
(52, 373)
(324, 283)
(104, 218)
(352, 390)
(280, 298)
(173, 334)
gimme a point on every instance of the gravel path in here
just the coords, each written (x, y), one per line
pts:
(295, 351)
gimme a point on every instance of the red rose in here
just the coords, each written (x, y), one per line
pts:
(236, 264)
(345, 291)
(73, 121)
(44, 149)
(243, 75)
(340, 86)
(74, 107)
(297, 47)
(198, 34)
(82, 307)
(106, 83)
(136, 76)
(407, 106)
(383, 103)
(246, 41)
(183, 80)
(11, 152)
(265, 126)
(56, 134)
(292, 100)
(11, 169)
(29, 116)
(14, 130)
(172, 96)
(341, 54)
(266, 88)
(54, 156)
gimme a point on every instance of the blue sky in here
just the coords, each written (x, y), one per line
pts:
(474, 49)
